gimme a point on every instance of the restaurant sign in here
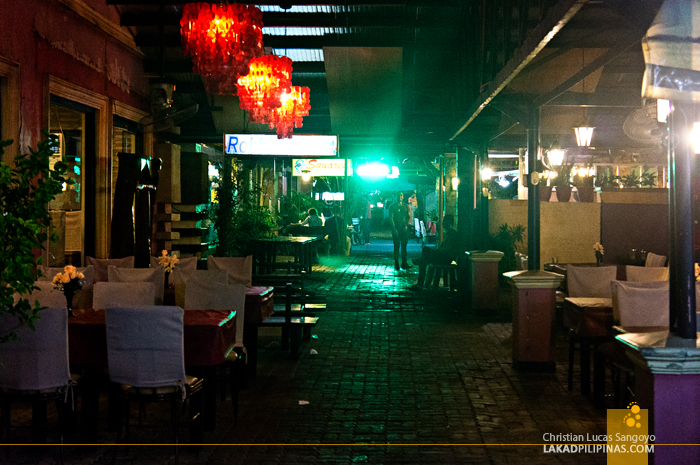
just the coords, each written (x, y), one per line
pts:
(322, 167)
(269, 144)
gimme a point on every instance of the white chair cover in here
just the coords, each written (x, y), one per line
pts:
(113, 294)
(145, 346)
(590, 281)
(240, 269)
(655, 260)
(207, 295)
(632, 285)
(46, 295)
(38, 359)
(102, 266)
(642, 304)
(135, 275)
(646, 273)
(186, 264)
(83, 297)
(179, 277)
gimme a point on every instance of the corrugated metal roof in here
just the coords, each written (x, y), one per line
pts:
(303, 31)
(299, 54)
(303, 9)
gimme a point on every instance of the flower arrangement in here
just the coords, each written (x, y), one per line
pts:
(168, 261)
(599, 251)
(68, 282)
(70, 278)
(697, 272)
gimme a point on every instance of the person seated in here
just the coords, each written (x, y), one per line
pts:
(446, 253)
(313, 220)
(335, 232)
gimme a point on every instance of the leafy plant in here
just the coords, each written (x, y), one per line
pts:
(563, 177)
(25, 225)
(237, 216)
(584, 180)
(648, 177)
(607, 180)
(631, 180)
(506, 240)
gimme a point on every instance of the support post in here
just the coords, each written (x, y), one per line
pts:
(533, 192)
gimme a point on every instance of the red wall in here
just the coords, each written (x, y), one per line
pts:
(47, 38)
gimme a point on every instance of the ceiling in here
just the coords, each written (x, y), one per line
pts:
(416, 78)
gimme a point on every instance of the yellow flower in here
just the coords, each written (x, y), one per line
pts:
(80, 276)
(57, 278)
(164, 252)
(65, 279)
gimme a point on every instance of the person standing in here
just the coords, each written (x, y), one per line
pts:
(366, 221)
(400, 218)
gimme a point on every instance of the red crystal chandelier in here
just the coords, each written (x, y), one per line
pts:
(261, 90)
(290, 115)
(221, 39)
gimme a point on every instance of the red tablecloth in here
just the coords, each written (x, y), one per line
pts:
(259, 303)
(208, 337)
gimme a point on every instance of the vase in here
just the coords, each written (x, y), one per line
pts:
(167, 279)
(563, 193)
(586, 194)
(69, 293)
(545, 192)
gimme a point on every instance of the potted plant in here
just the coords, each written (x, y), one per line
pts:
(26, 188)
(584, 181)
(562, 181)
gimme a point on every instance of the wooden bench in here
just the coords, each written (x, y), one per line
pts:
(448, 274)
(301, 310)
(292, 324)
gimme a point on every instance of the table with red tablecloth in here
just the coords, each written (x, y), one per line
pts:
(209, 335)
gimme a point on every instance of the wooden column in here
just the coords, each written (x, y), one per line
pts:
(533, 193)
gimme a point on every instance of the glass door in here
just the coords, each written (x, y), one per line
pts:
(73, 210)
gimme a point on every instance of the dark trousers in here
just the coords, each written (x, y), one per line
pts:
(400, 242)
(364, 228)
(430, 256)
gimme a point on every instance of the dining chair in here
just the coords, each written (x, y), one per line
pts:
(240, 269)
(641, 304)
(655, 260)
(35, 368)
(133, 275)
(146, 358)
(186, 264)
(113, 294)
(45, 294)
(102, 266)
(589, 281)
(646, 273)
(180, 277)
(208, 295)
(82, 297)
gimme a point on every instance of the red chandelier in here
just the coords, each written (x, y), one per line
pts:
(260, 91)
(290, 115)
(221, 39)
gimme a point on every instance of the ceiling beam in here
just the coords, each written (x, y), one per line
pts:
(316, 42)
(344, 20)
(602, 60)
(184, 65)
(556, 19)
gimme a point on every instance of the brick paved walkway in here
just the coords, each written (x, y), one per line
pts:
(400, 377)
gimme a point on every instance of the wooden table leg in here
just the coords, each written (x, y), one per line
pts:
(598, 378)
(250, 336)
(90, 399)
(585, 367)
(208, 375)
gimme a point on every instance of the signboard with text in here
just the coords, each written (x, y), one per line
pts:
(269, 144)
(320, 167)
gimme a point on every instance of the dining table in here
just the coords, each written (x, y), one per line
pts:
(590, 321)
(265, 252)
(208, 337)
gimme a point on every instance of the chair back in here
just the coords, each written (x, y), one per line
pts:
(590, 281)
(82, 297)
(136, 275)
(46, 295)
(240, 269)
(646, 273)
(207, 295)
(641, 304)
(145, 346)
(185, 264)
(113, 294)
(179, 277)
(655, 260)
(38, 359)
(102, 266)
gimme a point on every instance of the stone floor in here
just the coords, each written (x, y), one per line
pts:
(399, 377)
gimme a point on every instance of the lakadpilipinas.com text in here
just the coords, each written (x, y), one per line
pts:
(598, 443)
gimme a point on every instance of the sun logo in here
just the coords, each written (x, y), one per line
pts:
(631, 420)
